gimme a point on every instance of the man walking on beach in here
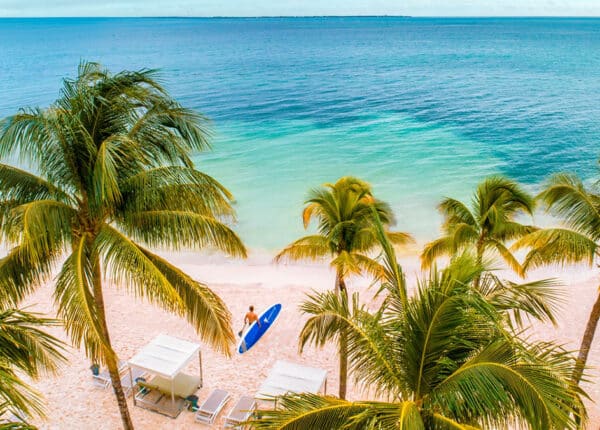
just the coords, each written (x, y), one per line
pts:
(251, 316)
(249, 319)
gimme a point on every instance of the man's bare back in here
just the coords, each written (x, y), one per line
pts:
(251, 317)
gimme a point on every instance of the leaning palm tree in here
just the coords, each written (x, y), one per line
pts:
(486, 226)
(441, 359)
(344, 211)
(24, 348)
(108, 169)
(578, 241)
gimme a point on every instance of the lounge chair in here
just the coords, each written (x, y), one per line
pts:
(241, 412)
(210, 408)
(153, 396)
(102, 379)
(126, 380)
(148, 396)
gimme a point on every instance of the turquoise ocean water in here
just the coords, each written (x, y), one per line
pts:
(421, 108)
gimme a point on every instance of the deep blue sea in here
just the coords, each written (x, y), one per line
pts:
(421, 108)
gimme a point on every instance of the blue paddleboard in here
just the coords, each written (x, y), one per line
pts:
(255, 332)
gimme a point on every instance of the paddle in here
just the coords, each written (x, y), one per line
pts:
(242, 330)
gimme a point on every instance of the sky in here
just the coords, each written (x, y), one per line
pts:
(28, 8)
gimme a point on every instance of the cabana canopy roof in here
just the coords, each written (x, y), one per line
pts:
(165, 356)
(286, 377)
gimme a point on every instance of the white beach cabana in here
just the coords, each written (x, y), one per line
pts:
(286, 377)
(165, 357)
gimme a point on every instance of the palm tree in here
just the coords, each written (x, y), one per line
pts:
(112, 169)
(25, 348)
(344, 211)
(578, 241)
(442, 359)
(484, 227)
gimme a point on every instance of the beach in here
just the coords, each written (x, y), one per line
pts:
(73, 402)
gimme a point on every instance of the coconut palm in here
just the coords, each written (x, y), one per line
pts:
(578, 241)
(108, 169)
(24, 348)
(486, 226)
(518, 303)
(344, 212)
(441, 359)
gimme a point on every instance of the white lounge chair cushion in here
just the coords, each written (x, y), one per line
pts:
(183, 384)
(211, 407)
(242, 410)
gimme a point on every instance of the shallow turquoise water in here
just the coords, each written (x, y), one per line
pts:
(411, 165)
(421, 108)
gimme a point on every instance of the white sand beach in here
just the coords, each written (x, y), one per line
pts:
(74, 403)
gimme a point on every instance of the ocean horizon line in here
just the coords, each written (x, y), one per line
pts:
(243, 17)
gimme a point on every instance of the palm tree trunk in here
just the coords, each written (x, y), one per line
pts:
(343, 364)
(586, 342)
(110, 356)
(340, 288)
(479, 261)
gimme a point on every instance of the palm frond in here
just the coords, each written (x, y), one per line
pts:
(393, 278)
(567, 198)
(105, 174)
(25, 345)
(27, 134)
(459, 274)
(511, 230)
(182, 229)
(540, 299)
(346, 264)
(370, 351)
(502, 386)
(20, 186)
(312, 247)
(175, 188)
(463, 235)
(440, 327)
(435, 249)
(74, 297)
(558, 246)
(43, 139)
(367, 265)
(25, 348)
(40, 227)
(21, 272)
(203, 309)
(456, 212)
(444, 423)
(16, 397)
(508, 257)
(173, 132)
(307, 213)
(304, 411)
(499, 198)
(17, 425)
(400, 238)
(155, 279)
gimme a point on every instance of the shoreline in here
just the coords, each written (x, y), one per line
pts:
(70, 395)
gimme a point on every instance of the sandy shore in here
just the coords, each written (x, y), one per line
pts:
(73, 402)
